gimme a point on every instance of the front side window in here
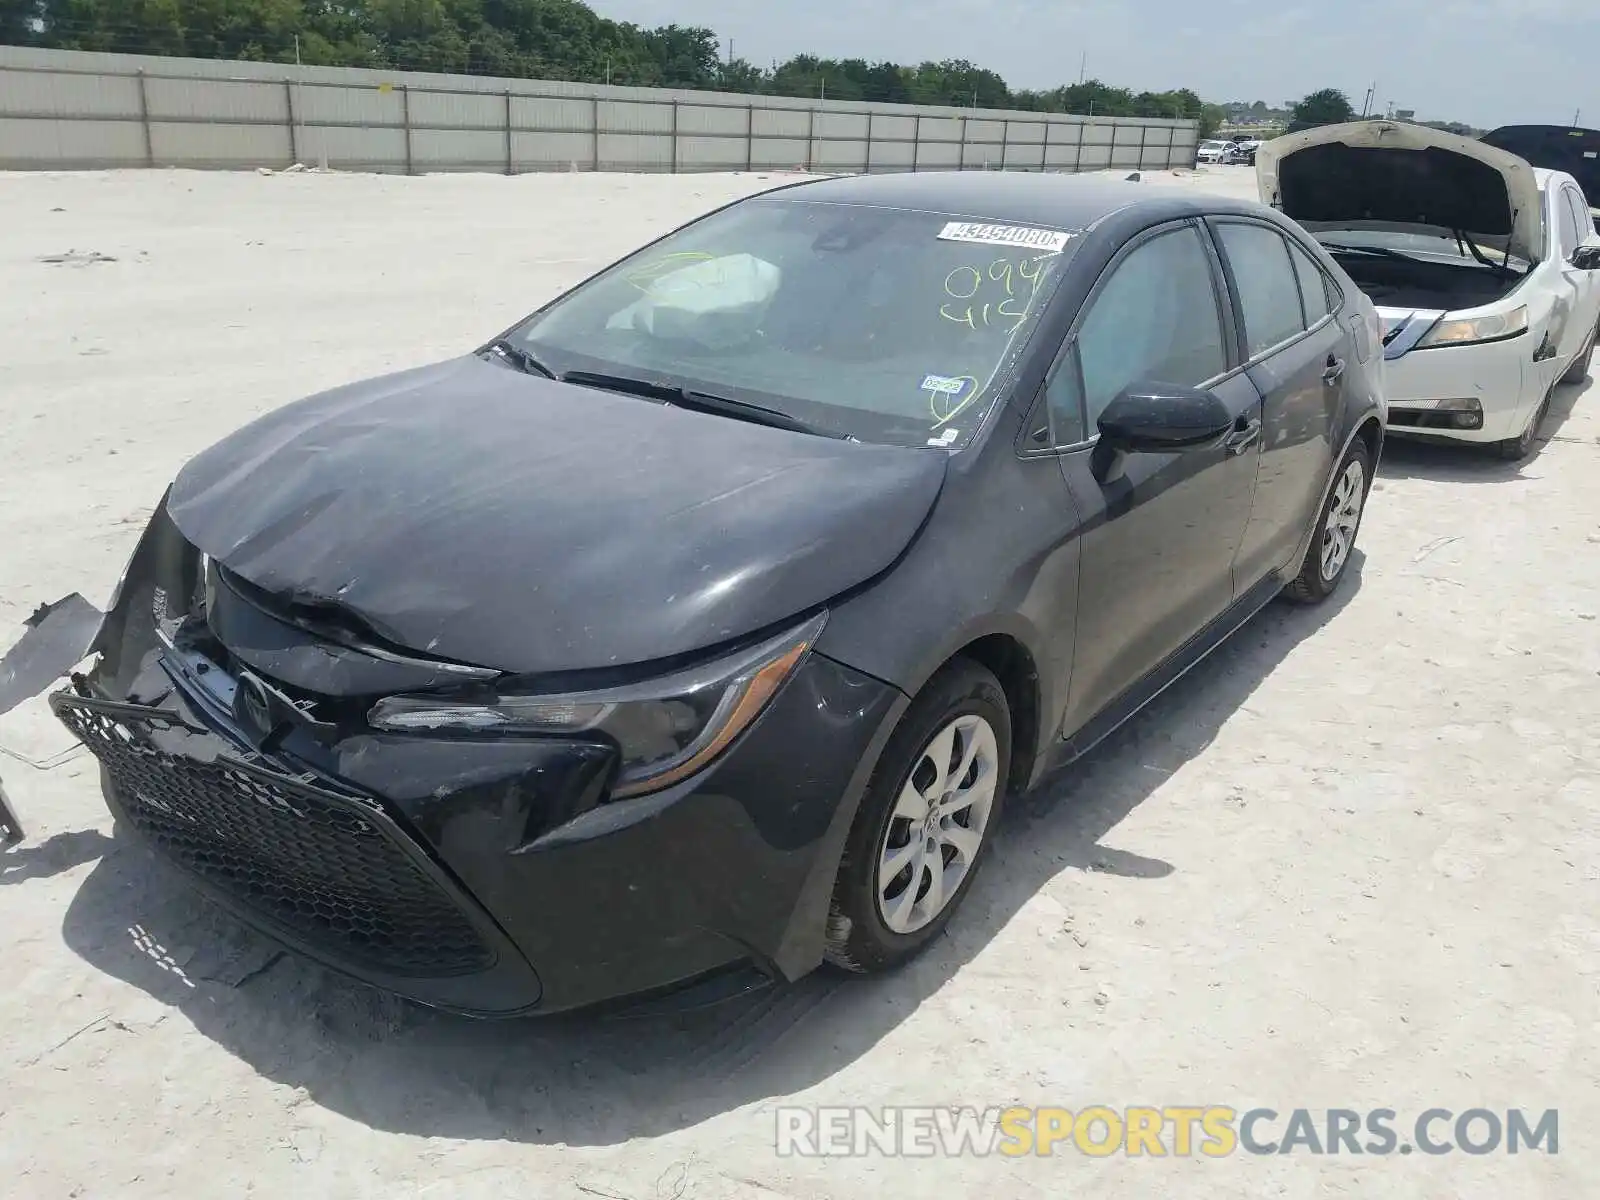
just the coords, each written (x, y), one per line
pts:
(1269, 292)
(1155, 320)
(1580, 214)
(1567, 224)
(887, 325)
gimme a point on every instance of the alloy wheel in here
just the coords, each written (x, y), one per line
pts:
(938, 824)
(1344, 514)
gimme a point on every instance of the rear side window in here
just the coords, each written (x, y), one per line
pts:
(1313, 285)
(1155, 320)
(1269, 292)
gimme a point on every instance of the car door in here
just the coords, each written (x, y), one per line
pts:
(1586, 306)
(1161, 532)
(1571, 286)
(1296, 353)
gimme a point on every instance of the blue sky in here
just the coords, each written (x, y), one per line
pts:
(1485, 62)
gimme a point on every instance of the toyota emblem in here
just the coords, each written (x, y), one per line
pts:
(253, 702)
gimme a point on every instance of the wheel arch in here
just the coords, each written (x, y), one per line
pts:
(1370, 431)
(1368, 428)
(1011, 662)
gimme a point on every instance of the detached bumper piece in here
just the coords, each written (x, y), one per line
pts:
(10, 828)
(328, 872)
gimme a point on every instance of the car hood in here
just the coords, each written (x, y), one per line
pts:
(1407, 178)
(473, 513)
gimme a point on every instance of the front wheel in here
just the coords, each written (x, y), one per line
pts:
(1335, 536)
(925, 821)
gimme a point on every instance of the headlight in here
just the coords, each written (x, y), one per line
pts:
(665, 729)
(1493, 328)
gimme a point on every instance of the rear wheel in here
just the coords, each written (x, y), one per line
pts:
(924, 823)
(1518, 448)
(1335, 537)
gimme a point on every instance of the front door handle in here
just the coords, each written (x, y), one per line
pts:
(1244, 433)
(1334, 371)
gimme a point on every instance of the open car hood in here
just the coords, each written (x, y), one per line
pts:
(1389, 175)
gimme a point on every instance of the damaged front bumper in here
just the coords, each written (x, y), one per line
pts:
(490, 877)
(61, 635)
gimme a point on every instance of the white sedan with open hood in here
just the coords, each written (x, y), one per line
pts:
(1485, 272)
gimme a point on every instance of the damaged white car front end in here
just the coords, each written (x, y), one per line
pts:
(1483, 279)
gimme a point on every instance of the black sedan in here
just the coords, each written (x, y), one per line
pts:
(701, 624)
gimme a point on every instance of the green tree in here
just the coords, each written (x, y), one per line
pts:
(1329, 106)
(17, 20)
(686, 57)
(885, 82)
(741, 75)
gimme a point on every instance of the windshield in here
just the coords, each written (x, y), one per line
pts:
(1426, 245)
(887, 325)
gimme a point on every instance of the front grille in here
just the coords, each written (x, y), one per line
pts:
(322, 868)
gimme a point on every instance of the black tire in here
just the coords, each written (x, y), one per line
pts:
(1518, 448)
(858, 938)
(1579, 370)
(1311, 586)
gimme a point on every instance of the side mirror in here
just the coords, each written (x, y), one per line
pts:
(1159, 418)
(1586, 258)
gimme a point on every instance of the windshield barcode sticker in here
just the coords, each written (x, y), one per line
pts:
(1047, 241)
(947, 384)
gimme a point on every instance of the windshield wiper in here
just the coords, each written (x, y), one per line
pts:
(1378, 251)
(682, 397)
(524, 360)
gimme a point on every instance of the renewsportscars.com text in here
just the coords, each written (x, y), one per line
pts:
(1214, 1131)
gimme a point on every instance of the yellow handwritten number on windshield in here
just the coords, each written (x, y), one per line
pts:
(1013, 276)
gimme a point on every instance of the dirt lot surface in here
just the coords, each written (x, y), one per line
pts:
(1351, 861)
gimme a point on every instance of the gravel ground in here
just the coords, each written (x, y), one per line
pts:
(1348, 862)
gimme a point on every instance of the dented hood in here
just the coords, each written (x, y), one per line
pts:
(513, 522)
(1407, 178)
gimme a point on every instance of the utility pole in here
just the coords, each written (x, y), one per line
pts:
(1083, 65)
(297, 53)
(1576, 114)
(1366, 105)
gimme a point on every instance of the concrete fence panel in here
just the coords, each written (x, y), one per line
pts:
(71, 109)
(782, 123)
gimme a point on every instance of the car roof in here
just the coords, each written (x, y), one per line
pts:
(1060, 201)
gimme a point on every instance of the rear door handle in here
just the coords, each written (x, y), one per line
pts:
(1334, 371)
(1244, 433)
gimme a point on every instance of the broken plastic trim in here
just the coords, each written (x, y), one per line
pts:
(161, 573)
(10, 827)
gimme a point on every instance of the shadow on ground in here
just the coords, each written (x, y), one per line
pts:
(1461, 462)
(61, 853)
(601, 1081)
